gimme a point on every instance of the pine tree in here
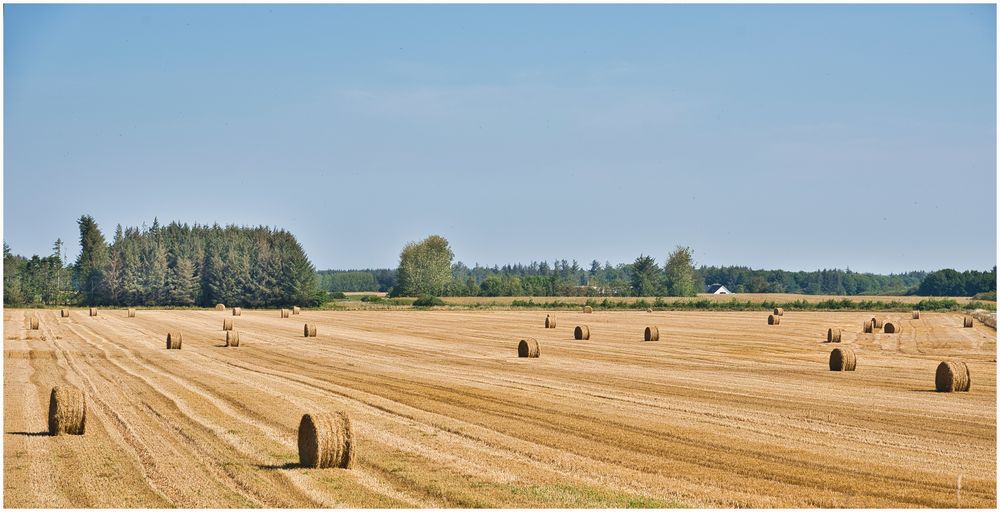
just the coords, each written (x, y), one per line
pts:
(180, 265)
(131, 288)
(60, 277)
(13, 275)
(180, 283)
(211, 278)
(88, 273)
(113, 272)
(154, 284)
(645, 276)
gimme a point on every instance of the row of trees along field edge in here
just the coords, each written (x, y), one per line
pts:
(181, 265)
(426, 268)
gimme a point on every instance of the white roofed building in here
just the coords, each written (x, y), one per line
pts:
(717, 289)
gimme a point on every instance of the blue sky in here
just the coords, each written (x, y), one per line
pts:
(796, 137)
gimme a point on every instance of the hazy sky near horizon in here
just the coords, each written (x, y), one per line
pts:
(778, 136)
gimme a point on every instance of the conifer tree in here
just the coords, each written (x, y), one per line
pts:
(89, 271)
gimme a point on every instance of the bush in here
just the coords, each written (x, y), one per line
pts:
(973, 305)
(371, 298)
(337, 295)
(937, 305)
(316, 298)
(740, 305)
(986, 296)
(425, 301)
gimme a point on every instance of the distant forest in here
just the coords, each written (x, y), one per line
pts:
(173, 265)
(568, 278)
(181, 265)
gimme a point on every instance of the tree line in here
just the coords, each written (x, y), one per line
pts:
(36, 280)
(173, 265)
(643, 277)
(426, 268)
(819, 282)
(181, 265)
(954, 283)
(366, 280)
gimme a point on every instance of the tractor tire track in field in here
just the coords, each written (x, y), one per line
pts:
(724, 411)
(32, 397)
(171, 468)
(839, 427)
(307, 495)
(254, 380)
(91, 484)
(283, 435)
(254, 490)
(312, 387)
(692, 443)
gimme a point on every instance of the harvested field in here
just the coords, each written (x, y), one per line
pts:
(729, 413)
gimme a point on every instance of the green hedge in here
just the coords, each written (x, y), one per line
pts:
(738, 305)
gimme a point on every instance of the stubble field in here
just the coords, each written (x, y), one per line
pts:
(723, 411)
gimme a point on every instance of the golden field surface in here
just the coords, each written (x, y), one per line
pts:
(723, 411)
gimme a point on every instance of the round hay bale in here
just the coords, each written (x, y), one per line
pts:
(876, 324)
(220, 307)
(131, 313)
(952, 376)
(173, 340)
(892, 328)
(232, 338)
(284, 313)
(93, 311)
(296, 310)
(833, 335)
(227, 324)
(309, 330)
(868, 326)
(773, 320)
(67, 411)
(588, 309)
(967, 321)
(649, 310)
(652, 333)
(237, 312)
(779, 311)
(582, 332)
(916, 315)
(550, 322)
(33, 323)
(528, 347)
(64, 313)
(843, 360)
(326, 440)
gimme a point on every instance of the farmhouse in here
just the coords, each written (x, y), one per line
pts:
(717, 289)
